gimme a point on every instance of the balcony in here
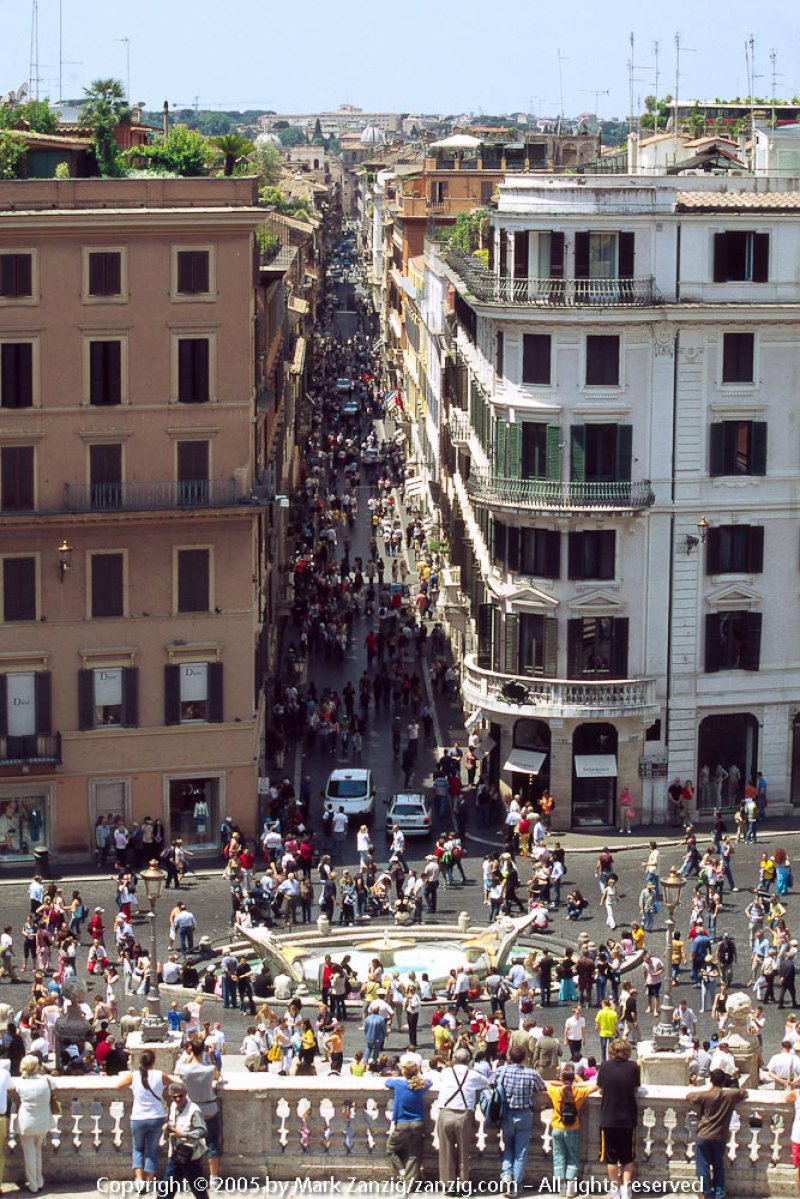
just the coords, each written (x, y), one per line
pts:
(554, 495)
(37, 749)
(151, 497)
(323, 1127)
(490, 288)
(460, 426)
(521, 695)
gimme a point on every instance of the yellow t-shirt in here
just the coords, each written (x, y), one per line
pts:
(554, 1090)
(606, 1021)
(638, 937)
(441, 1036)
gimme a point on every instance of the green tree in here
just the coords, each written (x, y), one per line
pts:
(466, 234)
(268, 163)
(233, 147)
(182, 152)
(104, 110)
(36, 115)
(291, 136)
(12, 154)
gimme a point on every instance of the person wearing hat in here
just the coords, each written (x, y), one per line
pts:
(186, 1137)
(647, 906)
(375, 1031)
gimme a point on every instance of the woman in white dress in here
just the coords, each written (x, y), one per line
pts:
(33, 1118)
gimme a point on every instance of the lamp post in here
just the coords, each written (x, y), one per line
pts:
(153, 878)
(665, 1035)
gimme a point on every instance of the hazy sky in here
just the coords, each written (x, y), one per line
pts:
(447, 56)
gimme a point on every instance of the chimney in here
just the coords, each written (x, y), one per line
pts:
(633, 153)
(166, 117)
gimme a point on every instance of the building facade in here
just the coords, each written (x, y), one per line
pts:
(622, 468)
(132, 536)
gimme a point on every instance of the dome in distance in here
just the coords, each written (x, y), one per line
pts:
(267, 139)
(372, 136)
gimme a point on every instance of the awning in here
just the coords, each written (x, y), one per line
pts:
(484, 749)
(397, 328)
(596, 766)
(473, 719)
(525, 761)
(414, 486)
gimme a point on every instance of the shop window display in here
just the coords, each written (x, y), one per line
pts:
(23, 825)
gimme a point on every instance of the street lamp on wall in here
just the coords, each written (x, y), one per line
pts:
(65, 552)
(700, 539)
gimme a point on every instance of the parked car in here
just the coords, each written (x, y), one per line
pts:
(353, 790)
(410, 811)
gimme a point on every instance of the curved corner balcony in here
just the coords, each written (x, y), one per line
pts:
(489, 288)
(517, 695)
(554, 495)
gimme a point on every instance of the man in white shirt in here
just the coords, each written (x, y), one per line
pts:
(783, 1067)
(461, 989)
(339, 829)
(251, 1050)
(36, 893)
(574, 1033)
(171, 971)
(459, 1087)
(431, 877)
(684, 1015)
(722, 1059)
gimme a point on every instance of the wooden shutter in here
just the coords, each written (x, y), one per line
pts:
(19, 589)
(499, 353)
(606, 555)
(484, 623)
(43, 683)
(714, 551)
(16, 275)
(172, 695)
(193, 370)
(575, 556)
(553, 451)
(85, 700)
(720, 257)
(193, 580)
(105, 274)
(105, 373)
(130, 697)
(556, 255)
(514, 548)
(107, 585)
(625, 255)
(717, 449)
(751, 646)
(514, 450)
(713, 645)
(578, 453)
(96, 275)
(3, 706)
(760, 257)
(500, 427)
(581, 255)
(215, 704)
(550, 656)
(552, 554)
(521, 242)
(619, 648)
(185, 272)
(499, 547)
(624, 453)
(755, 549)
(536, 358)
(511, 643)
(503, 255)
(16, 374)
(758, 447)
(574, 647)
(16, 489)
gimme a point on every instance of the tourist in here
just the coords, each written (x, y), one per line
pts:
(147, 1114)
(34, 1091)
(618, 1081)
(406, 1141)
(459, 1087)
(201, 1079)
(546, 1054)
(715, 1106)
(375, 1031)
(186, 1140)
(567, 1097)
(520, 1085)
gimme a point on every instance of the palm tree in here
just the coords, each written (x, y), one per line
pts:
(104, 109)
(234, 147)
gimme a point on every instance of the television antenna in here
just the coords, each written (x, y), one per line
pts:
(632, 78)
(127, 43)
(656, 52)
(561, 58)
(679, 49)
(596, 92)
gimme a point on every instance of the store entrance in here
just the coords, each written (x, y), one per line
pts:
(194, 811)
(594, 775)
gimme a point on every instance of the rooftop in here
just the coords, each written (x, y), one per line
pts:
(738, 201)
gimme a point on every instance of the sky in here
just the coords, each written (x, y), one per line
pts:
(430, 56)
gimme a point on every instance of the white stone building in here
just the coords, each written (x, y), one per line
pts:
(624, 470)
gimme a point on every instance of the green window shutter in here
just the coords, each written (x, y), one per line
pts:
(550, 664)
(624, 453)
(751, 649)
(619, 648)
(511, 643)
(484, 622)
(514, 450)
(500, 428)
(574, 648)
(713, 642)
(553, 451)
(578, 453)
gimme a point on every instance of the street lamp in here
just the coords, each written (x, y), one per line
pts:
(153, 1026)
(665, 1035)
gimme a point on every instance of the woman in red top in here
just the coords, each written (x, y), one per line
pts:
(503, 1039)
(522, 834)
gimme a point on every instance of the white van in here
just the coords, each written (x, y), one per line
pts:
(352, 790)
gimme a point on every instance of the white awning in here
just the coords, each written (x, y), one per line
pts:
(473, 719)
(484, 749)
(596, 766)
(414, 485)
(525, 761)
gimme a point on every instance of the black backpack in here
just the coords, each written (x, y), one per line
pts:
(569, 1108)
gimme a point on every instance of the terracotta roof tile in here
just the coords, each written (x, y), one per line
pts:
(738, 202)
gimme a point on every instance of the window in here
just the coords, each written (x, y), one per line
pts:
(604, 255)
(733, 641)
(16, 276)
(194, 580)
(597, 645)
(487, 191)
(193, 470)
(107, 584)
(16, 478)
(193, 272)
(540, 553)
(738, 358)
(592, 555)
(499, 355)
(193, 370)
(601, 453)
(536, 355)
(602, 360)
(104, 273)
(738, 447)
(193, 692)
(19, 589)
(741, 257)
(735, 549)
(25, 712)
(105, 373)
(108, 696)
(105, 475)
(16, 374)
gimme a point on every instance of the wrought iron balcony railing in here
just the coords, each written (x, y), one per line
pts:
(556, 495)
(142, 497)
(490, 288)
(35, 748)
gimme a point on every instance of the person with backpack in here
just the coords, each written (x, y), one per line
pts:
(567, 1098)
(511, 1102)
(459, 1087)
